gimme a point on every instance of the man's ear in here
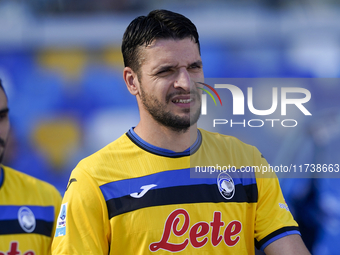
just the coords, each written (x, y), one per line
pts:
(131, 80)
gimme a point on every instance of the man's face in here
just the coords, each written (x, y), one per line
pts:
(4, 123)
(168, 88)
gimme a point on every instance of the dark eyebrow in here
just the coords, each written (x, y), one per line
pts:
(167, 67)
(198, 63)
(163, 68)
(5, 110)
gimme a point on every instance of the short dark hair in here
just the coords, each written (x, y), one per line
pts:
(159, 24)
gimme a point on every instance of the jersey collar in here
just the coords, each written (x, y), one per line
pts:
(2, 176)
(161, 151)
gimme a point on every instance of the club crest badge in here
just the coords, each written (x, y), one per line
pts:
(226, 185)
(26, 219)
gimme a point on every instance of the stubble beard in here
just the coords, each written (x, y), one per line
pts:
(166, 118)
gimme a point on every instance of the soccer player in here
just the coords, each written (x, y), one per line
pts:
(28, 206)
(135, 196)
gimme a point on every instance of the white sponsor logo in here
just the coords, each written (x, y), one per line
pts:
(145, 189)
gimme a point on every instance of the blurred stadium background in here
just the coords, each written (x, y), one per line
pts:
(61, 65)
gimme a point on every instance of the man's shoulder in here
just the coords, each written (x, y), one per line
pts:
(120, 150)
(215, 137)
(26, 183)
(13, 173)
(119, 145)
(220, 146)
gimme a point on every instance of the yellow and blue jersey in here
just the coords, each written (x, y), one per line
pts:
(28, 210)
(134, 198)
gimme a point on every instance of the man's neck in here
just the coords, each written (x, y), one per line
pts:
(166, 138)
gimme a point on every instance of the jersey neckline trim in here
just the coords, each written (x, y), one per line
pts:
(161, 151)
(2, 176)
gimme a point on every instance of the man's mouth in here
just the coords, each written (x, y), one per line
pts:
(182, 101)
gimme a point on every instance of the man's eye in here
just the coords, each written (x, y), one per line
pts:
(3, 115)
(164, 71)
(195, 67)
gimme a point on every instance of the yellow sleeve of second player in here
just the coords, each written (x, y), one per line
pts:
(83, 225)
(57, 203)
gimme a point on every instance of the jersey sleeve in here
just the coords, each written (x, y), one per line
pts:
(273, 218)
(56, 205)
(83, 222)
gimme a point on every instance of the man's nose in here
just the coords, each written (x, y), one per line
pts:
(183, 80)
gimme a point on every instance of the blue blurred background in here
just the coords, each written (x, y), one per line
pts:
(61, 65)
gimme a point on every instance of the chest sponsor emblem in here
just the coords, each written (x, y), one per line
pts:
(26, 219)
(14, 250)
(199, 234)
(226, 185)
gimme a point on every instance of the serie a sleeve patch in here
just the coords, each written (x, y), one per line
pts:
(61, 223)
